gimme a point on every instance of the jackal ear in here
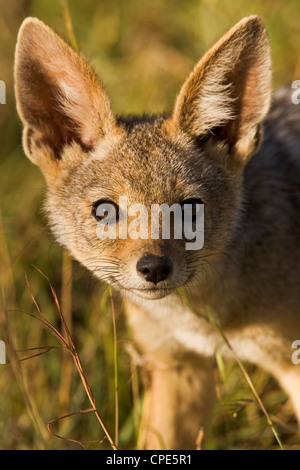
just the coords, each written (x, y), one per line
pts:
(59, 98)
(227, 95)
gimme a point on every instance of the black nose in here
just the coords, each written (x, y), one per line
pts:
(154, 268)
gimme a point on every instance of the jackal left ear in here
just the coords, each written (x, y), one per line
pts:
(227, 95)
(59, 98)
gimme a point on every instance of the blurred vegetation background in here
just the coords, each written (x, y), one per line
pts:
(142, 50)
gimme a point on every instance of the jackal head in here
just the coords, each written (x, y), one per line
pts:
(90, 157)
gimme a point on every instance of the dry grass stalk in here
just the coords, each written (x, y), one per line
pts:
(210, 319)
(66, 341)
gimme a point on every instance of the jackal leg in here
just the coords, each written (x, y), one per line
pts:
(177, 404)
(289, 378)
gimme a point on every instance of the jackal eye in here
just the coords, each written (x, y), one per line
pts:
(107, 210)
(191, 208)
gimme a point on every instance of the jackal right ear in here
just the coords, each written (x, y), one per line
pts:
(227, 95)
(59, 98)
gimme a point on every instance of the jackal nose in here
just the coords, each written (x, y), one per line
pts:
(154, 268)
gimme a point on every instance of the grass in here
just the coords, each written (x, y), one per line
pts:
(211, 320)
(142, 51)
(66, 341)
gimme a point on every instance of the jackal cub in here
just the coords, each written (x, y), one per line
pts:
(221, 148)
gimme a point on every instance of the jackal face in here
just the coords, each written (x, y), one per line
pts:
(92, 159)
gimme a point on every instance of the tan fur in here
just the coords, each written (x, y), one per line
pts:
(247, 273)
